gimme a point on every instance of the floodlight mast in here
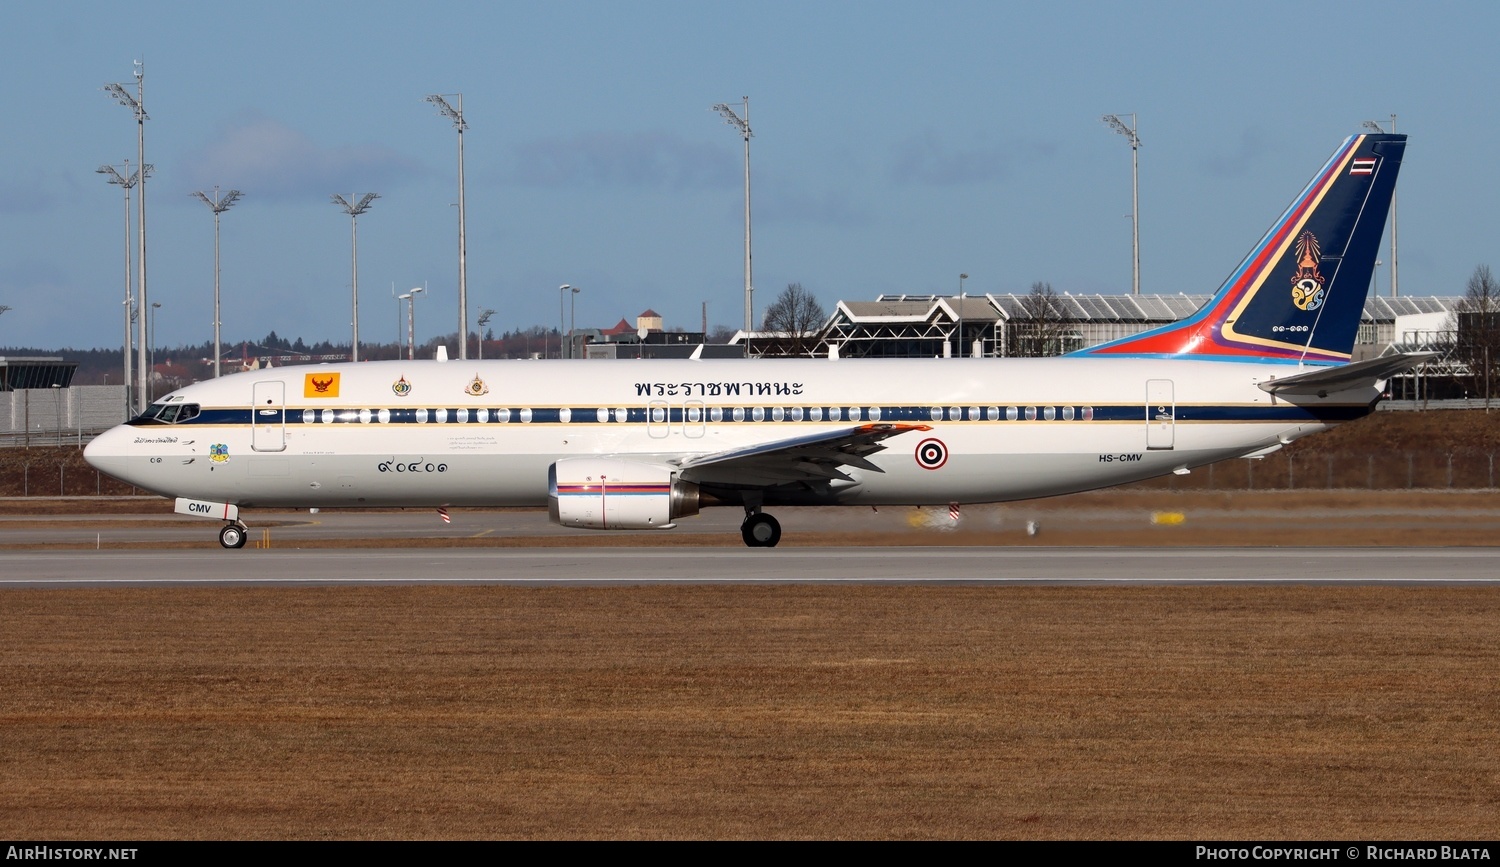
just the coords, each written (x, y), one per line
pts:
(354, 210)
(1114, 122)
(457, 116)
(218, 206)
(137, 104)
(126, 181)
(484, 320)
(1375, 126)
(743, 125)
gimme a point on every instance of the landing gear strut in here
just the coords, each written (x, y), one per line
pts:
(760, 530)
(233, 535)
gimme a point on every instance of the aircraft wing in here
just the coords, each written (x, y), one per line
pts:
(815, 457)
(1360, 374)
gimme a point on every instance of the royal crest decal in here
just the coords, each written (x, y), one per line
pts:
(218, 453)
(401, 387)
(476, 387)
(320, 385)
(1307, 283)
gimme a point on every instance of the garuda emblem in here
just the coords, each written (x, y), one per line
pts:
(1307, 284)
(401, 387)
(476, 387)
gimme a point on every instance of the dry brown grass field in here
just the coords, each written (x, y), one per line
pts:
(751, 712)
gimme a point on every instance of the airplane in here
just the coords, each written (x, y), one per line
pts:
(629, 445)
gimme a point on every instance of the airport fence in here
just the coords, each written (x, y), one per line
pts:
(1466, 469)
(53, 472)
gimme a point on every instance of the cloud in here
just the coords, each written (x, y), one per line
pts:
(24, 197)
(648, 160)
(783, 204)
(925, 160)
(1237, 162)
(278, 163)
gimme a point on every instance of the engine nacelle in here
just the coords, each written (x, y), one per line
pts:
(608, 494)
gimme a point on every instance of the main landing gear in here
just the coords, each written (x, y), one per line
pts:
(233, 534)
(760, 530)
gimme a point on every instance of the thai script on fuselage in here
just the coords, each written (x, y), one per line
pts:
(417, 466)
(139, 440)
(716, 389)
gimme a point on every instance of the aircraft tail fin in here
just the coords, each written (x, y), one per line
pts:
(1300, 293)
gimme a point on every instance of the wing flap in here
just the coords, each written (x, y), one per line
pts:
(815, 457)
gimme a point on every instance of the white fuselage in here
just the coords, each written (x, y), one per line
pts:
(483, 433)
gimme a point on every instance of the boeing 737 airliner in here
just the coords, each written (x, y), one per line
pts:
(644, 444)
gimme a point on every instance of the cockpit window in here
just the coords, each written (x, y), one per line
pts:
(169, 413)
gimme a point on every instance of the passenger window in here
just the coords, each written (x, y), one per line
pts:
(874, 413)
(739, 413)
(993, 413)
(1031, 413)
(1067, 413)
(758, 413)
(1088, 413)
(1010, 413)
(936, 413)
(1049, 412)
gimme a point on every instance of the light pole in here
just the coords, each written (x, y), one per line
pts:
(218, 206)
(1375, 126)
(354, 211)
(484, 320)
(155, 306)
(457, 116)
(1135, 194)
(137, 104)
(961, 279)
(411, 321)
(562, 295)
(572, 319)
(743, 125)
(126, 181)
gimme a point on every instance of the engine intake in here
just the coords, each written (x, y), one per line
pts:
(607, 494)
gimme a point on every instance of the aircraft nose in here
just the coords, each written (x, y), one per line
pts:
(108, 452)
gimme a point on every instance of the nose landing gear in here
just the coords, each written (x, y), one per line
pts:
(233, 535)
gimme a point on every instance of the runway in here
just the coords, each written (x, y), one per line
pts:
(717, 566)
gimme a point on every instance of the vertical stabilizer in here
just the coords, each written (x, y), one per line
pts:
(1299, 294)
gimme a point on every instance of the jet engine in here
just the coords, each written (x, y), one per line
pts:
(609, 494)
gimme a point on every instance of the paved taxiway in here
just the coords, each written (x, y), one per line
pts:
(609, 566)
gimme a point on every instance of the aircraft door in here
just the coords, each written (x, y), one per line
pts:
(1161, 414)
(268, 417)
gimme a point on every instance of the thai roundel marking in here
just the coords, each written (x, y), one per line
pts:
(931, 454)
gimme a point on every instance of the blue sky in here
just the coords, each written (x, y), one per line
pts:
(896, 146)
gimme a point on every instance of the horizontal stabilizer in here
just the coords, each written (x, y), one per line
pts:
(1360, 374)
